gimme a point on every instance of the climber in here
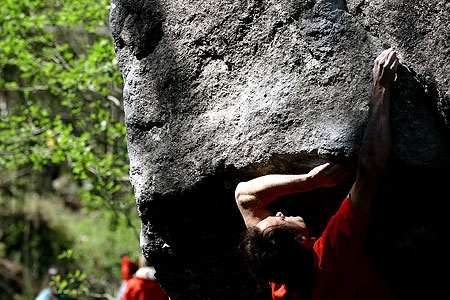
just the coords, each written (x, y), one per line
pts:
(278, 249)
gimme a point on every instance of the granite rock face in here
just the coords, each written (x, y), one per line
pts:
(218, 92)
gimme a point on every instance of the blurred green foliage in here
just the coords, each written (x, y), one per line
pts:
(61, 120)
(61, 84)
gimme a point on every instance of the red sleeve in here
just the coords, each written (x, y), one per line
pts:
(144, 289)
(344, 269)
(343, 237)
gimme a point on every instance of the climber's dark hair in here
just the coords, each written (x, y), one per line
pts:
(275, 255)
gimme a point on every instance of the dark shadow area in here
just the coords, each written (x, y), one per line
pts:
(203, 226)
(409, 239)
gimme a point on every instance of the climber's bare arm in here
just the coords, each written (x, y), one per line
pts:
(376, 142)
(252, 197)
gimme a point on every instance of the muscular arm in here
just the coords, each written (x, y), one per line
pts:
(253, 196)
(376, 143)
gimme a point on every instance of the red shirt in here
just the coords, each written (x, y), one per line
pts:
(344, 271)
(140, 288)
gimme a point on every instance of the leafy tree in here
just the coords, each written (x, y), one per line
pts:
(60, 108)
(60, 88)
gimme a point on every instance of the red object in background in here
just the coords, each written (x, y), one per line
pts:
(128, 268)
(142, 288)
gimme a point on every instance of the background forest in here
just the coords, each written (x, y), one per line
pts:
(64, 192)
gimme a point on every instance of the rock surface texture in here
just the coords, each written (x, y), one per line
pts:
(217, 92)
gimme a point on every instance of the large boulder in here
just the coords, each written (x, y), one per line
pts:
(218, 92)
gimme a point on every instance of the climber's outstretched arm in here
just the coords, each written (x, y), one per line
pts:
(252, 197)
(376, 143)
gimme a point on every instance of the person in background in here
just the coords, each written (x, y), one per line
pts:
(128, 269)
(278, 249)
(143, 284)
(47, 293)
